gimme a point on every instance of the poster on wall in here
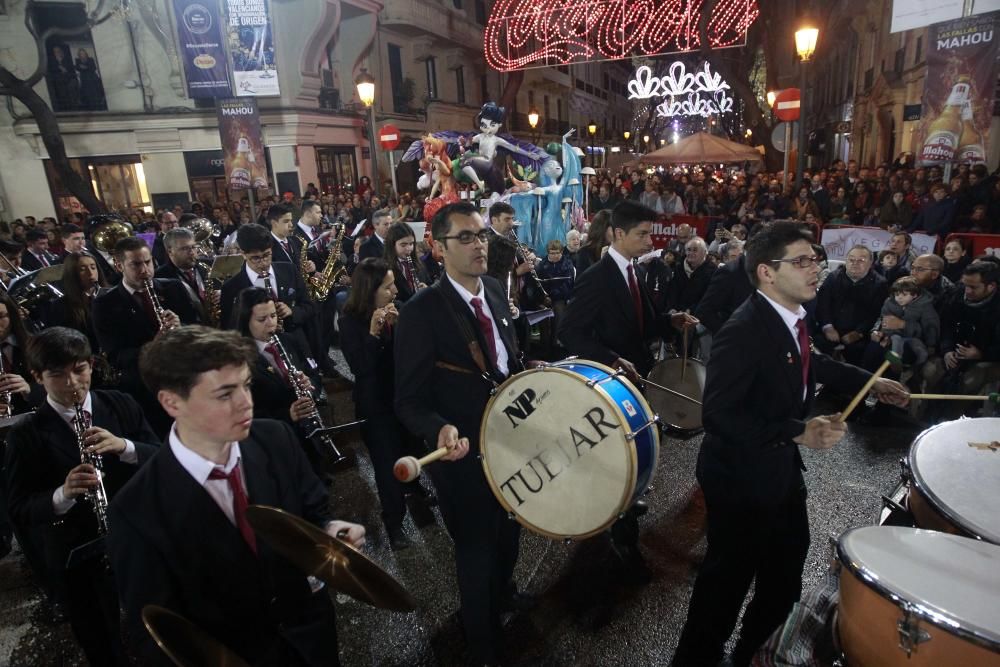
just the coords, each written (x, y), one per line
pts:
(199, 37)
(242, 143)
(958, 91)
(251, 46)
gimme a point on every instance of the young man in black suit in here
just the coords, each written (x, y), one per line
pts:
(179, 535)
(374, 245)
(286, 245)
(47, 482)
(612, 320)
(756, 404)
(36, 253)
(453, 342)
(125, 319)
(295, 309)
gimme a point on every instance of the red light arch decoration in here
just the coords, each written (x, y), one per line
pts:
(524, 34)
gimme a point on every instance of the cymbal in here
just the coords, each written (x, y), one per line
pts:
(184, 642)
(329, 559)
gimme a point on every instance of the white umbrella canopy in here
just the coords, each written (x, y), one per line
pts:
(698, 148)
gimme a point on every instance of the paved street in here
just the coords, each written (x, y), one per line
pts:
(588, 614)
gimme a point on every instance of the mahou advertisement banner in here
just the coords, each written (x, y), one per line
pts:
(206, 67)
(251, 45)
(242, 143)
(959, 90)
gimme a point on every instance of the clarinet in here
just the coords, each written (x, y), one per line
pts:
(97, 496)
(413, 271)
(520, 247)
(158, 309)
(6, 409)
(272, 292)
(313, 421)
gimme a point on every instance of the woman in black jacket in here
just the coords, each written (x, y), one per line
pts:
(366, 338)
(401, 256)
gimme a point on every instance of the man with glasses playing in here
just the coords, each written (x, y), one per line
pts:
(454, 341)
(282, 279)
(182, 252)
(757, 402)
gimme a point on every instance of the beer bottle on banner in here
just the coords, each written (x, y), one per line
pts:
(239, 175)
(971, 149)
(943, 133)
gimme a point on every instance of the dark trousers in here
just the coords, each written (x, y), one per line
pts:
(745, 541)
(387, 441)
(92, 602)
(313, 635)
(853, 353)
(486, 547)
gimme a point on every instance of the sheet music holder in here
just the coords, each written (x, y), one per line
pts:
(225, 266)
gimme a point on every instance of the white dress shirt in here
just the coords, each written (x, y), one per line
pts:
(307, 230)
(200, 468)
(467, 296)
(60, 503)
(791, 319)
(257, 279)
(622, 263)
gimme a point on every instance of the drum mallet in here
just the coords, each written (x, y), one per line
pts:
(891, 359)
(408, 468)
(671, 391)
(993, 397)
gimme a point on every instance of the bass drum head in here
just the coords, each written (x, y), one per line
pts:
(674, 411)
(951, 582)
(961, 481)
(555, 453)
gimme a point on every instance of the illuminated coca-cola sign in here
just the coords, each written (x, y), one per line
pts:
(522, 34)
(698, 93)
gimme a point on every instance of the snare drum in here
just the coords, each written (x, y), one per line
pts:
(953, 485)
(674, 411)
(568, 447)
(917, 598)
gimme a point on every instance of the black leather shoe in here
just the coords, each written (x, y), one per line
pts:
(398, 539)
(416, 492)
(5, 547)
(640, 507)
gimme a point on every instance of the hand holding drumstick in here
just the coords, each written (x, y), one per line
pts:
(450, 447)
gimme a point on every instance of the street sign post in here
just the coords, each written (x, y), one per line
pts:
(787, 104)
(388, 139)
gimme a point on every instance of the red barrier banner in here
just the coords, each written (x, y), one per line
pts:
(665, 229)
(978, 244)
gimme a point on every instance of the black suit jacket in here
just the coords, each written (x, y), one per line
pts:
(729, 288)
(291, 291)
(272, 395)
(371, 362)
(159, 251)
(43, 449)
(601, 323)
(295, 250)
(684, 291)
(171, 545)
(371, 247)
(754, 406)
(30, 263)
(403, 290)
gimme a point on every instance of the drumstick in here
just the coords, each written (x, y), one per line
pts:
(684, 359)
(890, 359)
(671, 391)
(994, 397)
(408, 468)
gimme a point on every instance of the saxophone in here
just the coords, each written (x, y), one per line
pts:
(313, 423)
(319, 284)
(97, 496)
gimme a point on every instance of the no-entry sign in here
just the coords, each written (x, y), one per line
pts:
(388, 137)
(787, 103)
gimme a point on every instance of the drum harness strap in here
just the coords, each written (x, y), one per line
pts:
(474, 349)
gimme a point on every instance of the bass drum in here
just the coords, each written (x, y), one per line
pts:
(675, 413)
(953, 478)
(568, 447)
(917, 598)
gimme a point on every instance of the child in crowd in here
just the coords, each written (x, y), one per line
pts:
(557, 274)
(888, 260)
(921, 325)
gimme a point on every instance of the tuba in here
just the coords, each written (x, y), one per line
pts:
(107, 232)
(204, 231)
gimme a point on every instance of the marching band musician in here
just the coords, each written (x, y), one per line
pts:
(182, 264)
(295, 309)
(179, 534)
(274, 396)
(47, 481)
(125, 319)
(453, 342)
(81, 282)
(12, 252)
(374, 245)
(756, 399)
(612, 320)
(286, 246)
(73, 240)
(401, 256)
(15, 379)
(366, 337)
(36, 253)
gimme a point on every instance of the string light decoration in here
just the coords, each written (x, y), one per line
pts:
(679, 82)
(524, 34)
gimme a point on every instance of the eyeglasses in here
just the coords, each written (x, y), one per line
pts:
(257, 259)
(920, 269)
(803, 262)
(466, 238)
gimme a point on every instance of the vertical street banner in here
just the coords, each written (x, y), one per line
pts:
(242, 143)
(199, 36)
(959, 90)
(251, 46)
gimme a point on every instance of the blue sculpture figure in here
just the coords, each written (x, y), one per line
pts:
(540, 210)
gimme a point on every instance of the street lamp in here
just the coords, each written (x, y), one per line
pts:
(771, 94)
(592, 130)
(533, 117)
(805, 47)
(365, 84)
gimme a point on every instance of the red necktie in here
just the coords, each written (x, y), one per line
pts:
(279, 363)
(800, 327)
(239, 503)
(193, 281)
(147, 305)
(288, 251)
(633, 287)
(486, 327)
(43, 259)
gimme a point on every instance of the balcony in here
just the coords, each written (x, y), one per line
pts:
(424, 17)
